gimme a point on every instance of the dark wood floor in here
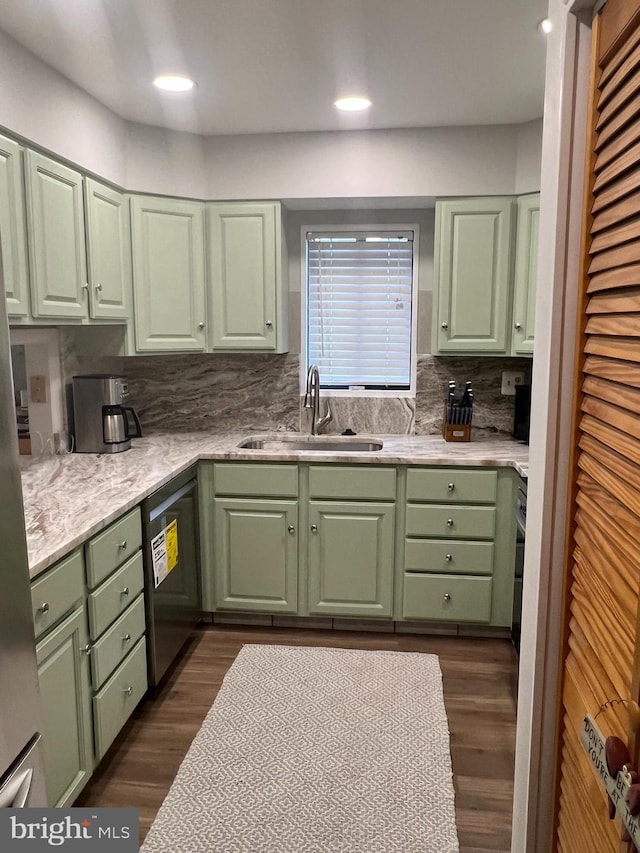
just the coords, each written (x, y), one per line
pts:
(478, 676)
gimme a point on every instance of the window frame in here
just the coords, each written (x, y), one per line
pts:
(373, 227)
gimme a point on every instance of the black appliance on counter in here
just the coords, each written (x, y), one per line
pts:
(520, 510)
(522, 412)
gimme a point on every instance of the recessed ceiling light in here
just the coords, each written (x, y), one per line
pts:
(545, 26)
(174, 83)
(352, 104)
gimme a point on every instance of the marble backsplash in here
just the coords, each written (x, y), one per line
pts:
(261, 392)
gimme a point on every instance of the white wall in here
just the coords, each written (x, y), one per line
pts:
(168, 162)
(528, 157)
(40, 105)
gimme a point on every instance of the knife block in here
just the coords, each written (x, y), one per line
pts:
(456, 432)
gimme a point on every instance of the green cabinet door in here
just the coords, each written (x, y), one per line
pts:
(108, 252)
(56, 238)
(351, 558)
(473, 275)
(256, 555)
(168, 274)
(524, 294)
(63, 674)
(13, 228)
(246, 286)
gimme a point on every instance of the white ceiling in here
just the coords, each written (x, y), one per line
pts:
(267, 66)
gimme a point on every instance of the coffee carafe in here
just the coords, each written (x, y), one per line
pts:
(103, 424)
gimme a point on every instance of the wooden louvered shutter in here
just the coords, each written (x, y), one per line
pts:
(604, 568)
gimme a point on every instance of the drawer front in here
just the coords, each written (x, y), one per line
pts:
(451, 522)
(117, 642)
(112, 598)
(113, 705)
(353, 482)
(447, 598)
(273, 481)
(55, 593)
(455, 485)
(110, 549)
(448, 556)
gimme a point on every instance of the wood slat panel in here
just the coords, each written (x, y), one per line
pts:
(616, 145)
(611, 437)
(610, 84)
(586, 690)
(623, 525)
(616, 124)
(628, 253)
(629, 230)
(610, 582)
(619, 99)
(625, 208)
(628, 276)
(615, 302)
(620, 348)
(613, 392)
(612, 415)
(621, 164)
(617, 371)
(602, 475)
(625, 325)
(611, 26)
(617, 190)
(621, 467)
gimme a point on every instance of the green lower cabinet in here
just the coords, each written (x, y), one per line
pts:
(447, 598)
(351, 558)
(63, 673)
(256, 555)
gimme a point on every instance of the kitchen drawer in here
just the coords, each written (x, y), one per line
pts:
(55, 593)
(113, 705)
(451, 522)
(448, 557)
(447, 598)
(109, 549)
(455, 485)
(114, 596)
(117, 642)
(353, 482)
(274, 481)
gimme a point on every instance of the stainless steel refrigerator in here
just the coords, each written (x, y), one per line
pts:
(21, 771)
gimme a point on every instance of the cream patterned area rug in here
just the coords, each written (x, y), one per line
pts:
(314, 750)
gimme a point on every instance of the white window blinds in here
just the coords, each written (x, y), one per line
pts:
(359, 290)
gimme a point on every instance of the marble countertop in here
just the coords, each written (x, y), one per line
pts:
(69, 498)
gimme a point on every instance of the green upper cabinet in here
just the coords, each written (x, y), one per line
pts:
(56, 239)
(168, 274)
(247, 277)
(524, 295)
(13, 228)
(473, 275)
(108, 252)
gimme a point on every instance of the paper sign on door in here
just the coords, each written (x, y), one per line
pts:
(164, 552)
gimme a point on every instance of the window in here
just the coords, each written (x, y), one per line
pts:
(360, 323)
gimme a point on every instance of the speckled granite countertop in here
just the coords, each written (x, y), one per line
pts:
(69, 498)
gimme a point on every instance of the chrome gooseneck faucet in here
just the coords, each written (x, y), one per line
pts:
(312, 401)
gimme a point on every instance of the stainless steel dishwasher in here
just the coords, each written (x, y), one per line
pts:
(171, 568)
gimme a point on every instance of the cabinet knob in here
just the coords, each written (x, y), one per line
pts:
(448, 558)
(126, 638)
(124, 590)
(123, 545)
(85, 287)
(445, 326)
(449, 522)
(451, 486)
(44, 608)
(128, 690)
(269, 324)
(201, 326)
(518, 326)
(98, 286)
(86, 649)
(291, 529)
(446, 597)
(314, 528)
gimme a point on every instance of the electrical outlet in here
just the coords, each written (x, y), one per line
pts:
(39, 386)
(511, 378)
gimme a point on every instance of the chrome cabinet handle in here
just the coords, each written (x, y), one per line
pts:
(451, 486)
(85, 287)
(201, 326)
(269, 324)
(446, 596)
(124, 590)
(518, 326)
(123, 545)
(449, 522)
(86, 649)
(128, 690)
(98, 286)
(445, 326)
(44, 608)
(291, 529)
(448, 558)
(314, 528)
(126, 638)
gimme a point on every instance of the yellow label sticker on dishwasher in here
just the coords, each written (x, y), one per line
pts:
(171, 531)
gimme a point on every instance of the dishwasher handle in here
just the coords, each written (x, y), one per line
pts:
(166, 504)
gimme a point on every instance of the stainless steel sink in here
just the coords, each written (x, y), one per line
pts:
(313, 443)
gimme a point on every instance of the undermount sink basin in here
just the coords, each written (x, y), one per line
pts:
(318, 443)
